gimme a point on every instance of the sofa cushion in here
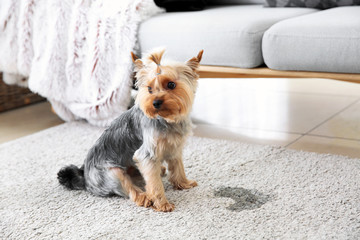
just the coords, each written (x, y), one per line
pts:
(320, 4)
(326, 41)
(229, 35)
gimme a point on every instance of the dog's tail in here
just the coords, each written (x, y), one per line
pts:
(72, 177)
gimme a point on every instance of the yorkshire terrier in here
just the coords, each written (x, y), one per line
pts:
(154, 130)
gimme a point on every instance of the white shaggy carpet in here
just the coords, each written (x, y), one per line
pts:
(245, 192)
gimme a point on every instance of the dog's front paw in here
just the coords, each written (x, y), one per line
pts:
(164, 207)
(185, 185)
(143, 200)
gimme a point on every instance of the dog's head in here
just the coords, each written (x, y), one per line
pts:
(166, 90)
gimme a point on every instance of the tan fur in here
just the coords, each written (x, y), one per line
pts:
(195, 61)
(170, 149)
(151, 171)
(177, 175)
(138, 64)
(163, 171)
(153, 82)
(135, 193)
(156, 56)
(177, 102)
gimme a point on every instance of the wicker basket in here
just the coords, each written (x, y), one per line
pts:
(12, 96)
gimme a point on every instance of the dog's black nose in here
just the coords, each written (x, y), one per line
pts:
(157, 103)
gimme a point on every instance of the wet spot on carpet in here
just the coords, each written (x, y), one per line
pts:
(245, 199)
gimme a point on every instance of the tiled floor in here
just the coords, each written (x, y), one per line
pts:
(315, 115)
(26, 120)
(306, 114)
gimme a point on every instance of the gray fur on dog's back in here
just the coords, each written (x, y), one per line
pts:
(131, 132)
(115, 148)
(117, 144)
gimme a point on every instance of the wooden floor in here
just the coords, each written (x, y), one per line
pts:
(305, 114)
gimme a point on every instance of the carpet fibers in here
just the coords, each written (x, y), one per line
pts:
(245, 192)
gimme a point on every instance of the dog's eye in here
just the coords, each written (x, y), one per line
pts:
(171, 85)
(150, 89)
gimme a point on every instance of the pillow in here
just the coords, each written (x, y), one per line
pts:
(181, 5)
(234, 2)
(320, 4)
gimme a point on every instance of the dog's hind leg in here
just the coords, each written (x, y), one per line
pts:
(134, 192)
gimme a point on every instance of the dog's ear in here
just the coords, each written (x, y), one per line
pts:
(195, 61)
(137, 62)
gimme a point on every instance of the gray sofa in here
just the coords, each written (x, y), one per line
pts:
(248, 36)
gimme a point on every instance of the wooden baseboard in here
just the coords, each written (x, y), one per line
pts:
(263, 72)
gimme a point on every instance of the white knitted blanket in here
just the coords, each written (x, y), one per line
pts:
(76, 53)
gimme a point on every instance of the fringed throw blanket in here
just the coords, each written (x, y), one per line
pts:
(76, 53)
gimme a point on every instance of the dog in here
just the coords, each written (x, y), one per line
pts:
(150, 133)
